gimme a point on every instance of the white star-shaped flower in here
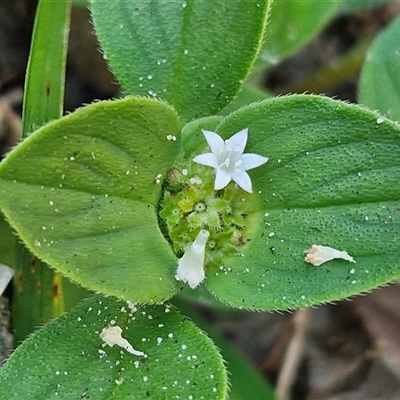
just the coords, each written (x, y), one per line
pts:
(191, 265)
(228, 159)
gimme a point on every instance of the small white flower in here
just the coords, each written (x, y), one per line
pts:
(191, 265)
(228, 159)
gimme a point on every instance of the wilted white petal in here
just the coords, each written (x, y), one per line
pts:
(239, 140)
(250, 161)
(215, 141)
(221, 179)
(243, 180)
(318, 255)
(111, 335)
(191, 265)
(206, 159)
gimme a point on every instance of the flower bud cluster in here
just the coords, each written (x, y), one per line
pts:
(191, 204)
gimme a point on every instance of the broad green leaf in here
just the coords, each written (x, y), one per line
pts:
(193, 54)
(332, 179)
(380, 78)
(82, 193)
(67, 359)
(292, 24)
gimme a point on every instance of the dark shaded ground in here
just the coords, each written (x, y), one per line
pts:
(350, 350)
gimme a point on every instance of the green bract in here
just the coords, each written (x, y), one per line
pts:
(190, 204)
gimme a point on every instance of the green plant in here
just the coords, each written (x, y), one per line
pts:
(115, 195)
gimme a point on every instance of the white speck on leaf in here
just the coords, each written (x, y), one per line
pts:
(111, 335)
(380, 120)
(131, 306)
(317, 255)
(228, 160)
(191, 265)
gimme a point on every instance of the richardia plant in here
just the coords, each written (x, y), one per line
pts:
(102, 195)
(120, 197)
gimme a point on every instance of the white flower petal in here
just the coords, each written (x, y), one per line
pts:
(191, 265)
(222, 179)
(228, 160)
(239, 140)
(206, 159)
(243, 180)
(250, 161)
(215, 141)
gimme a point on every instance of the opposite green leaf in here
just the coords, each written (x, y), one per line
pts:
(82, 193)
(194, 54)
(332, 179)
(68, 360)
(380, 78)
